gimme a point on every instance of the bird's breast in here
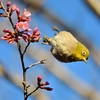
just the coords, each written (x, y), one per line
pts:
(61, 56)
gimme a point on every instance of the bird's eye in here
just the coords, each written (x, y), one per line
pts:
(83, 53)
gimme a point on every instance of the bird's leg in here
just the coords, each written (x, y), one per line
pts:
(55, 29)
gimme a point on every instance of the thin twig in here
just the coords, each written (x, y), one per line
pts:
(39, 62)
(4, 8)
(32, 92)
(19, 48)
(24, 71)
(26, 48)
(28, 86)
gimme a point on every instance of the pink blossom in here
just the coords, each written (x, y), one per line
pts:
(9, 36)
(11, 40)
(18, 12)
(13, 8)
(25, 16)
(25, 36)
(8, 6)
(35, 30)
(42, 85)
(46, 83)
(48, 88)
(22, 26)
(8, 31)
(35, 37)
(39, 78)
(26, 13)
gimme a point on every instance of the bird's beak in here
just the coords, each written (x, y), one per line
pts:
(84, 60)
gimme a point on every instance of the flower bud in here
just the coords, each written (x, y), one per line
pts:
(13, 8)
(8, 6)
(18, 13)
(46, 83)
(48, 88)
(39, 79)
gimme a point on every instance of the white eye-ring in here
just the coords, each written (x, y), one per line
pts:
(83, 53)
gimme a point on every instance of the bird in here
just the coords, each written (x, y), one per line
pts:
(65, 47)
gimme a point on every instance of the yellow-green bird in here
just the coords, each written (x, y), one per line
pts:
(65, 47)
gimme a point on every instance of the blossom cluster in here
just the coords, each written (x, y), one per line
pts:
(20, 31)
(43, 85)
(21, 28)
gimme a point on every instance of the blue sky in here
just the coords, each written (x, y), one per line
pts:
(77, 15)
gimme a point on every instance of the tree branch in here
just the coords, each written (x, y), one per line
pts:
(39, 62)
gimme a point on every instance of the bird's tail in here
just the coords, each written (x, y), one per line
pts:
(46, 40)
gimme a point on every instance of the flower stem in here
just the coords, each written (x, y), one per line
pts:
(26, 48)
(20, 52)
(37, 63)
(24, 71)
(32, 92)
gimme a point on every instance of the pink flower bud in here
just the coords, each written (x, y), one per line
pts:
(36, 39)
(48, 88)
(14, 6)
(3, 15)
(22, 25)
(39, 78)
(8, 4)
(35, 30)
(46, 83)
(3, 38)
(25, 37)
(8, 31)
(10, 41)
(18, 11)
(19, 38)
(26, 13)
